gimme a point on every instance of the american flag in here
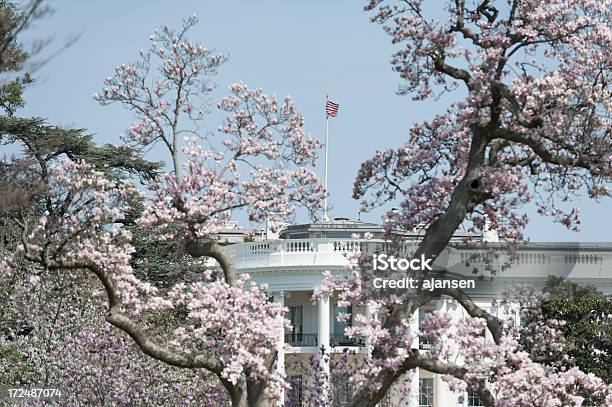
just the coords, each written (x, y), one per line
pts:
(331, 108)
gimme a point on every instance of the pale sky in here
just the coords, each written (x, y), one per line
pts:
(305, 49)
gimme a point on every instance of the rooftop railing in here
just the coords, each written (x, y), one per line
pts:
(332, 252)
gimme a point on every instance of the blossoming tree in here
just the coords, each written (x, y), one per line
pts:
(532, 124)
(258, 161)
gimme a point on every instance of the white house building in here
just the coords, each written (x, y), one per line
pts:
(293, 262)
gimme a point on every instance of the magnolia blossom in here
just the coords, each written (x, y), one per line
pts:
(235, 323)
(218, 310)
(259, 161)
(262, 166)
(185, 69)
(53, 331)
(536, 117)
(512, 366)
(531, 126)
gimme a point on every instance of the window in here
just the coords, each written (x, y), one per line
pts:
(294, 395)
(340, 325)
(296, 316)
(426, 392)
(473, 399)
(342, 391)
(423, 341)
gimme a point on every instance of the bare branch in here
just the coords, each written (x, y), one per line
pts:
(197, 248)
(457, 73)
(541, 150)
(493, 323)
(125, 323)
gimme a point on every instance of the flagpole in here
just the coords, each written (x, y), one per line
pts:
(325, 218)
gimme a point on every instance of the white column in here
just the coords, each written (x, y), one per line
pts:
(324, 311)
(456, 312)
(279, 298)
(493, 311)
(324, 322)
(368, 344)
(413, 398)
(442, 395)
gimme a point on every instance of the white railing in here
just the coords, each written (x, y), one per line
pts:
(295, 252)
(297, 246)
(593, 261)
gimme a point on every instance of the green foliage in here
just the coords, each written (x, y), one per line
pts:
(40, 323)
(12, 21)
(153, 260)
(588, 315)
(162, 262)
(11, 94)
(12, 57)
(23, 369)
(45, 143)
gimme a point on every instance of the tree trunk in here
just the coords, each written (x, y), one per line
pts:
(257, 397)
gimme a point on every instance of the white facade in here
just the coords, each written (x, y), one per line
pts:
(293, 268)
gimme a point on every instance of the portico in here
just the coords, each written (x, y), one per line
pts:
(293, 269)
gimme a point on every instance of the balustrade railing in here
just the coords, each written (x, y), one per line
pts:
(335, 339)
(299, 246)
(291, 246)
(340, 339)
(312, 246)
(301, 339)
(424, 343)
(333, 251)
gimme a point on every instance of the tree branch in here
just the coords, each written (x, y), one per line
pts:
(197, 248)
(539, 148)
(493, 323)
(514, 106)
(460, 24)
(459, 372)
(457, 73)
(127, 324)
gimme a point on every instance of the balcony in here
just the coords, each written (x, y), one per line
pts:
(340, 339)
(301, 340)
(532, 259)
(424, 343)
(297, 252)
